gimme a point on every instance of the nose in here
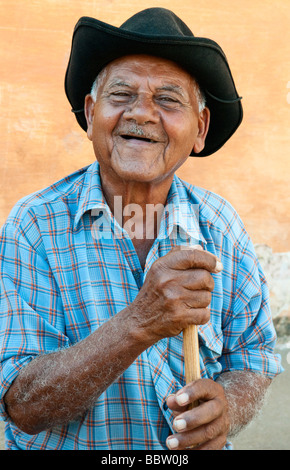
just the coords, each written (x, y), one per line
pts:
(142, 110)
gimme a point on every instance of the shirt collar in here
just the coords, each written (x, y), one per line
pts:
(91, 194)
(180, 219)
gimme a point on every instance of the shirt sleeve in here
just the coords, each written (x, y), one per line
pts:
(249, 336)
(31, 319)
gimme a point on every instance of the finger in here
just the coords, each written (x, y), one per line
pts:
(194, 279)
(199, 435)
(199, 417)
(194, 441)
(203, 390)
(197, 299)
(174, 406)
(179, 401)
(196, 316)
(191, 279)
(181, 258)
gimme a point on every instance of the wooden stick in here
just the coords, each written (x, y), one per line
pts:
(191, 356)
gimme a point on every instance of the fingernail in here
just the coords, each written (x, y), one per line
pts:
(218, 266)
(182, 399)
(179, 424)
(172, 443)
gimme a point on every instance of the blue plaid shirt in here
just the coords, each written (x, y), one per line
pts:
(60, 280)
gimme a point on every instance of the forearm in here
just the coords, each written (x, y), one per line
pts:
(245, 392)
(56, 388)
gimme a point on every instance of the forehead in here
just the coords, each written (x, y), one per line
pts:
(148, 67)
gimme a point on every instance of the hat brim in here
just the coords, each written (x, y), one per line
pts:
(95, 44)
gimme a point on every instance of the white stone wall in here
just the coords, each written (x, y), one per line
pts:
(276, 267)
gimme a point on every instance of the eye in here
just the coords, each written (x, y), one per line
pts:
(120, 93)
(167, 98)
(120, 96)
(168, 101)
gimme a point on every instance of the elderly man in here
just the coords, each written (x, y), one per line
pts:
(94, 300)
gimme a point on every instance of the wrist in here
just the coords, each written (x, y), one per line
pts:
(139, 335)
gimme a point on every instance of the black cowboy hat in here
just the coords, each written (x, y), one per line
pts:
(158, 32)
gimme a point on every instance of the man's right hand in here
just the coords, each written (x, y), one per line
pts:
(176, 293)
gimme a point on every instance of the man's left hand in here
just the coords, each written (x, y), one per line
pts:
(204, 427)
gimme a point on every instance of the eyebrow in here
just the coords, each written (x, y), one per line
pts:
(172, 88)
(118, 82)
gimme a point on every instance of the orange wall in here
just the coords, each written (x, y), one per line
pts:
(41, 141)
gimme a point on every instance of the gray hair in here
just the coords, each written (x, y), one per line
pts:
(196, 89)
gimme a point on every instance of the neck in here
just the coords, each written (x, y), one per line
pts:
(138, 208)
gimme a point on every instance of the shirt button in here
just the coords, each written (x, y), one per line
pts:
(136, 275)
(165, 406)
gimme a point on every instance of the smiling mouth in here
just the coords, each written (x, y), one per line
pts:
(137, 137)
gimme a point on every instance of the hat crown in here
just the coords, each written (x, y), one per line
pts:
(157, 22)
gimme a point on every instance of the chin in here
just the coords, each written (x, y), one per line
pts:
(139, 174)
(141, 178)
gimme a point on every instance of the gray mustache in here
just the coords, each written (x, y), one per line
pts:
(138, 131)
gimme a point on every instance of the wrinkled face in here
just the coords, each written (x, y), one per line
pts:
(146, 120)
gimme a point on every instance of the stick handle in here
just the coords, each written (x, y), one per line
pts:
(191, 355)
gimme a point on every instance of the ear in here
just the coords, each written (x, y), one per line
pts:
(203, 126)
(89, 114)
